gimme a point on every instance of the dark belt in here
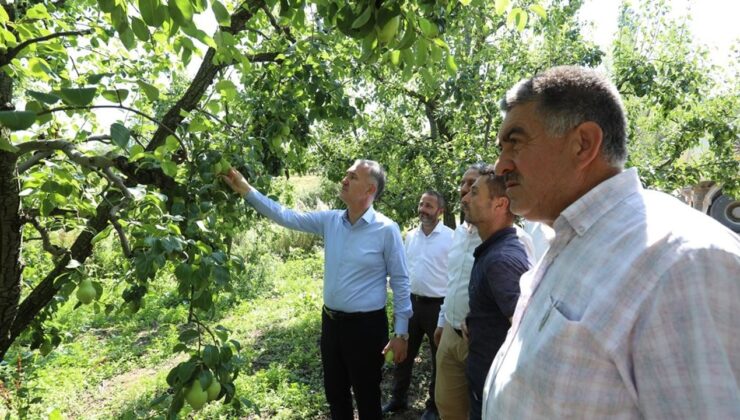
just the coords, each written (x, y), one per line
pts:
(459, 332)
(427, 299)
(339, 315)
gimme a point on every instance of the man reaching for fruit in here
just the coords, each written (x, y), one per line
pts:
(362, 249)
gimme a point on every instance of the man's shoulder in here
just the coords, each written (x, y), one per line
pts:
(667, 224)
(384, 221)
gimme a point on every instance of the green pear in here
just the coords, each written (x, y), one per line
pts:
(86, 292)
(389, 356)
(196, 396)
(388, 31)
(213, 390)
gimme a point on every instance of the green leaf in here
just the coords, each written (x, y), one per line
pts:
(128, 39)
(140, 29)
(539, 10)
(169, 168)
(77, 96)
(188, 335)
(210, 356)
(227, 89)
(501, 6)
(117, 96)
(47, 98)
(120, 135)
(435, 52)
(517, 17)
(39, 67)
(364, 16)
(148, 10)
(151, 92)
(465, 2)
(451, 65)
(408, 37)
(16, 120)
(181, 11)
(56, 414)
(421, 52)
(107, 6)
(3, 15)
(6, 145)
(94, 79)
(171, 144)
(428, 28)
(222, 15)
(102, 235)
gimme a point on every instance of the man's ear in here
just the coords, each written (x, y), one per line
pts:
(587, 139)
(372, 189)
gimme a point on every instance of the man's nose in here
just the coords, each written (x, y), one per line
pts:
(503, 166)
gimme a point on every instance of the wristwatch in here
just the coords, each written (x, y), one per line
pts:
(404, 337)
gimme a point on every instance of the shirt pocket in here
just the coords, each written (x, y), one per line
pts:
(577, 376)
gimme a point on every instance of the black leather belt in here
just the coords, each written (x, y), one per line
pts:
(427, 299)
(339, 315)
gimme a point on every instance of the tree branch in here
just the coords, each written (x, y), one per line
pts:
(275, 24)
(13, 52)
(126, 248)
(47, 245)
(125, 108)
(92, 162)
(33, 160)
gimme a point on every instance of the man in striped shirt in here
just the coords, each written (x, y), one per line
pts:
(632, 312)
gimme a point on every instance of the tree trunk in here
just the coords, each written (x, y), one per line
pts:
(10, 227)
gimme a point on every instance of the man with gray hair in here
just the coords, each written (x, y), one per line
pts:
(362, 249)
(631, 312)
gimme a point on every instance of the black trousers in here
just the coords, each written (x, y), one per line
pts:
(351, 346)
(423, 322)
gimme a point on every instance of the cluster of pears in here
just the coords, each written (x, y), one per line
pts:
(86, 292)
(197, 397)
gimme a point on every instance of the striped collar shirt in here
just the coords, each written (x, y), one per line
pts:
(631, 313)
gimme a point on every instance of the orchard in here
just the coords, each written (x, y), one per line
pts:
(119, 118)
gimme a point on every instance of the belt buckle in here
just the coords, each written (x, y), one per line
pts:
(329, 313)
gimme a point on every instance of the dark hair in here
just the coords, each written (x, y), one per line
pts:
(440, 200)
(496, 184)
(376, 173)
(569, 95)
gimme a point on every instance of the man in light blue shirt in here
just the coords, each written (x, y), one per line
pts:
(362, 249)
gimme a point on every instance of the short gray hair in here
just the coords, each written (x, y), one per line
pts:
(570, 95)
(376, 173)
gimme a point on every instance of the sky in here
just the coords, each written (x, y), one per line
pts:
(712, 22)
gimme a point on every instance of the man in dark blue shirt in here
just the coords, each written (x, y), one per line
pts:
(494, 282)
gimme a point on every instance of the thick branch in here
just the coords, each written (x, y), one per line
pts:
(13, 52)
(33, 160)
(203, 79)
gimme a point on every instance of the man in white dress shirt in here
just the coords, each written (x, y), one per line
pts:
(426, 253)
(632, 312)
